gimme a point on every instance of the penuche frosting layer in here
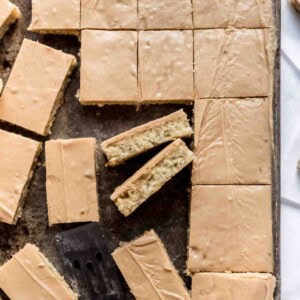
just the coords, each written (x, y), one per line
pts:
(71, 181)
(231, 229)
(148, 270)
(233, 141)
(246, 286)
(29, 275)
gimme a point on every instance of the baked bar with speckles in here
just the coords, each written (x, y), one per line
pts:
(165, 14)
(34, 90)
(71, 181)
(148, 270)
(233, 63)
(166, 66)
(17, 159)
(233, 13)
(108, 67)
(30, 275)
(109, 14)
(151, 177)
(140, 139)
(231, 229)
(233, 141)
(247, 286)
(55, 16)
(9, 14)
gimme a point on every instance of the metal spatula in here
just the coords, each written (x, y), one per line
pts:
(88, 262)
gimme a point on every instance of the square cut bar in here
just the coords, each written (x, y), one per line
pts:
(152, 176)
(34, 90)
(233, 141)
(109, 14)
(165, 14)
(233, 13)
(231, 229)
(247, 286)
(17, 159)
(9, 14)
(71, 181)
(140, 139)
(233, 63)
(148, 270)
(55, 16)
(29, 275)
(166, 66)
(108, 67)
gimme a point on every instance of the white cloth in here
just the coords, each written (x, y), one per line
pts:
(290, 152)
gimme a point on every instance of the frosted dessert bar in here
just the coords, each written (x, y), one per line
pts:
(9, 14)
(29, 275)
(166, 66)
(165, 14)
(247, 286)
(233, 13)
(109, 14)
(17, 159)
(55, 16)
(35, 87)
(152, 176)
(108, 67)
(233, 63)
(137, 140)
(231, 229)
(148, 270)
(233, 141)
(71, 181)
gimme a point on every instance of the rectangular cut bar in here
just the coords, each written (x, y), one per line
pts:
(109, 67)
(108, 14)
(233, 141)
(71, 181)
(166, 66)
(247, 286)
(35, 87)
(165, 14)
(137, 140)
(151, 177)
(29, 275)
(148, 270)
(17, 157)
(233, 63)
(231, 229)
(9, 14)
(55, 16)
(233, 13)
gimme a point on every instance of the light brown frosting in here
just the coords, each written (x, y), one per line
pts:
(71, 181)
(233, 63)
(165, 14)
(17, 155)
(247, 286)
(235, 13)
(296, 4)
(55, 15)
(33, 87)
(108, 67)
(231, 229)
(232, 141)
(148, 270)
(6, 9)
(108, 14)
(166, 65)
(28, 275)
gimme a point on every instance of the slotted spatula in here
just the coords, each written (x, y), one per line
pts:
(88, 262)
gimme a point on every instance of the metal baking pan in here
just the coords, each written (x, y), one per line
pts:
(166, 212)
